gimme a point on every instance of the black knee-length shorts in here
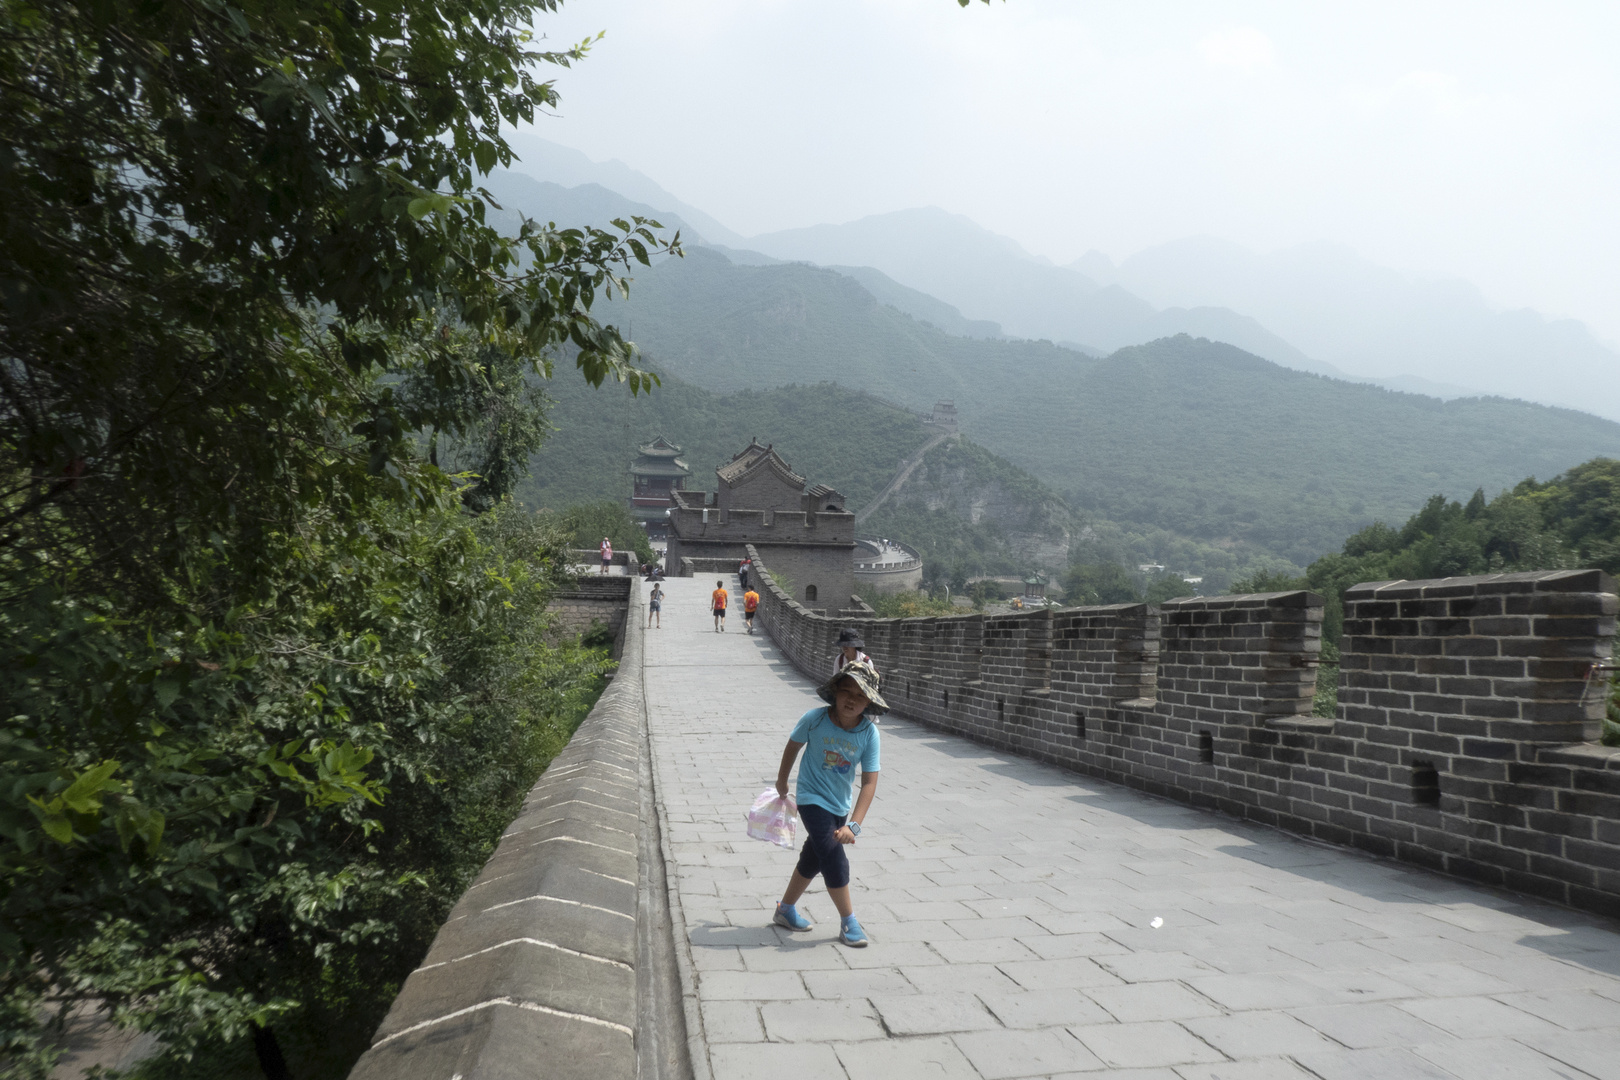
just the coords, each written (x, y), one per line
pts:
(822, 853)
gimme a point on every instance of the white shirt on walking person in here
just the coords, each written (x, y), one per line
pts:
(844, 658)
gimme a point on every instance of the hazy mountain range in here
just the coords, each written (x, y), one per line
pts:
(1315, 307)
(1187, 435)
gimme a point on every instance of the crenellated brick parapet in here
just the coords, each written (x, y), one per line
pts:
(1466, 741)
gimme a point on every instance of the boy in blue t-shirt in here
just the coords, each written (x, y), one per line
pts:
(838, 736)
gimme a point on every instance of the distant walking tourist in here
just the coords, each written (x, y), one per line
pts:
(838, 736)
(607, 554)
(719, 597)
(750, 605)
(849, 651)
(742, 574)
(655, 606)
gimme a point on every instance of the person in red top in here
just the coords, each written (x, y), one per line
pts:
(750, 604)
(720, 596)
(607, 554)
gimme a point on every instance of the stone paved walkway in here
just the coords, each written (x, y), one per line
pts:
(1011, 909)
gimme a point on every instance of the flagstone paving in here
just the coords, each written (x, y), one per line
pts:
(1011, 909)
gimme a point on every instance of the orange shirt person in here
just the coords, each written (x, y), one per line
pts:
(750, 603)
(719, 597)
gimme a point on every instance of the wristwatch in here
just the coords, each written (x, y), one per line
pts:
(855, 828)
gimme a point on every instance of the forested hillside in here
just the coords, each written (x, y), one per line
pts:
(1182, 434)
(970, 511)
(830, 434)
(1572, 520)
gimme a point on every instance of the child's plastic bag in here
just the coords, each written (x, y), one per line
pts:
(774, 818)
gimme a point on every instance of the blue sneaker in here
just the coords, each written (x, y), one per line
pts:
(788, 916)
(851, 934)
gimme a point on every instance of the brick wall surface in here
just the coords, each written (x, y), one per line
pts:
(591, 601)
(1465, 742)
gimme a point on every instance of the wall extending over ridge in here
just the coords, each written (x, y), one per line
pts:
(1469, 710)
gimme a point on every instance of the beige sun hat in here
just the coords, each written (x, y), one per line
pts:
(866, 677)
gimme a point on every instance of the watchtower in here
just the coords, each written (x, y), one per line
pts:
(657, 470)
(802, 532)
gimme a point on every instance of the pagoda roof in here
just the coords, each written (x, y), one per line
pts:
(658, 448)
(673, 467)
(754, 456)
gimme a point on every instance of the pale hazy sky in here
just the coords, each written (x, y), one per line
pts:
(1476, 139)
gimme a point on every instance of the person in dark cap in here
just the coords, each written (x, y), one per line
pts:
(839, 735)
(850, 648)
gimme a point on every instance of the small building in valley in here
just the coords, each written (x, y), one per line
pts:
(802, 532)
(657, 471)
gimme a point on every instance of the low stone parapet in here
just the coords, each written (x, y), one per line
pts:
(1469, 710)
(589, 601)
(691, 566)
(593, 557)
(540, 969)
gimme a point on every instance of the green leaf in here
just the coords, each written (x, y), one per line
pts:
(84, 794)
(167, 691)
(58, 828)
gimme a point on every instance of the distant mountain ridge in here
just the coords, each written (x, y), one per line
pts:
(989, 277)
(546, 160)
(1347, 311)
(1314, 307)
(1187, 435)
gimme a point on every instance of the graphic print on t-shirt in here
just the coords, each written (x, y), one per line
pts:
(838, 763)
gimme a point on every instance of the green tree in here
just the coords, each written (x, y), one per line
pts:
(266, 687)
(1099, 583)
(587, 524)
(1168, 587)
(1269, 581)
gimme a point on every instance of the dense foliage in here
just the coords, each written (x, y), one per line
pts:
(588, 523)
(1572, 520)
(1569, 521)
(268, 691)
(1100, 583)
(909, 604)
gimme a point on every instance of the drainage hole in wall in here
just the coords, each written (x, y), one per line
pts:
(1001, 708)
(1206, 747)
(1425, 783)
(1080, 724)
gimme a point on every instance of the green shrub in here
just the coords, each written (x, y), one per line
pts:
(587, 523)
(909, 605)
